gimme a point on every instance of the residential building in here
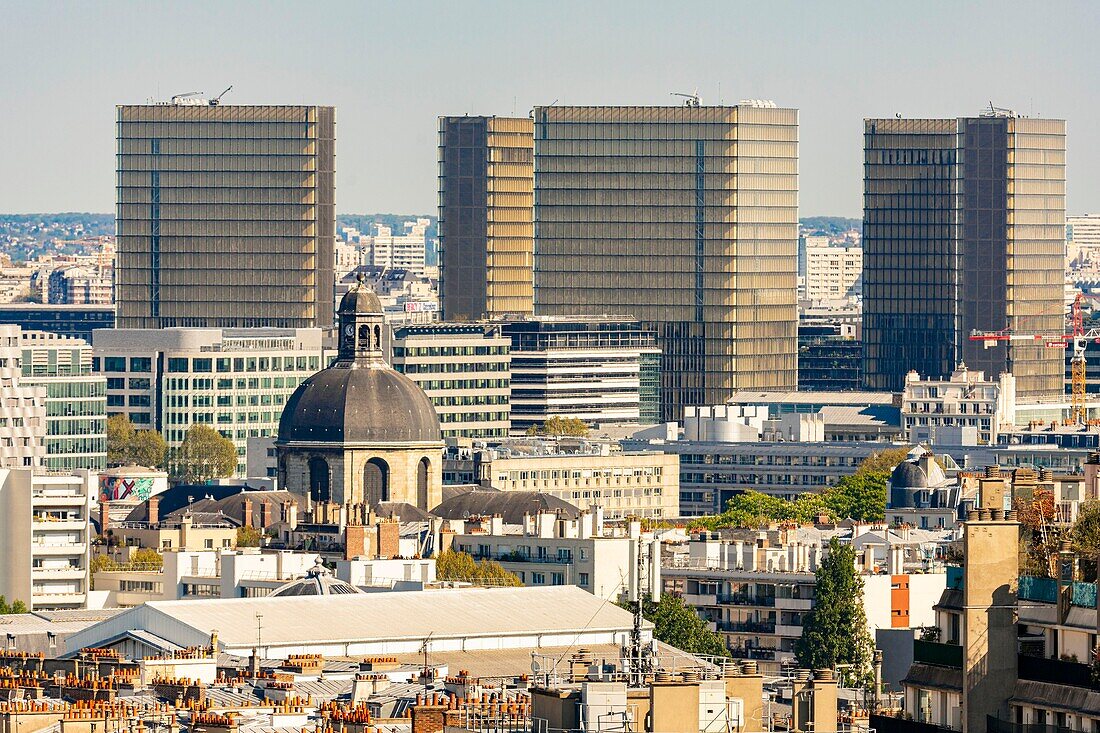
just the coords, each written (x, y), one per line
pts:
(404, 251)
(550, 550)
(44, 545)
(686, 218)
(233, 380)
(81, 286)
(486, 209)
(833, 272)
(1084, 236)
(965, 408)
(22, 408)
(465, 369)
(805, 242)
(587, 475)
(829, 357)
(964, 230)
(713, 472)
(77, 321)
(600, 369)
(76, 399)
(757, 589)
(226, 215)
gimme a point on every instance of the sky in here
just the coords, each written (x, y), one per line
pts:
(392, 68)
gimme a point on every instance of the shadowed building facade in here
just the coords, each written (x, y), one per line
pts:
(226, 216)
(685, 218)
(486, 234)
(964, 229)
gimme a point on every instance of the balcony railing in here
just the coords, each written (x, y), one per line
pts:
(520, 557)
(753, 653)
(746, 599)
(748, 627)
(942, 655)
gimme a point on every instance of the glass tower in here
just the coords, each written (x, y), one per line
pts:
(687, 219)
(226, 216)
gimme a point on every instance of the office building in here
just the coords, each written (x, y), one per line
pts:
(833, 272)
(829, 357)
(465, 370)
(233, 380)
(622, 483)
(486, 234)
(1084, 236)
(75, 399)
(225, 215)
(404, 251)
(44, 545)
(77, 321)
(685, 218)
(602, 370)
(964, 229)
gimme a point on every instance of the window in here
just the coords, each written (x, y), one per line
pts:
(538, 578)
(209, 544)
(557, 578)
(114, 363)
(177, 365)
(141, 364)
(582, 580)
(203, 365)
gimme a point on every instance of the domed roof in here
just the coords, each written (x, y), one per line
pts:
(350, 404)
(908, 475)
(318, 581)
(360, 299)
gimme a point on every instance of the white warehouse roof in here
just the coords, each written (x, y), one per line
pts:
(375, 623)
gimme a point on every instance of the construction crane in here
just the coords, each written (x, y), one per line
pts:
(218, 99)
(1076, 338)
(690, 100)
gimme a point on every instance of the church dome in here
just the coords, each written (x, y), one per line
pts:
(908, 475)
(345, 404)
(318, 581)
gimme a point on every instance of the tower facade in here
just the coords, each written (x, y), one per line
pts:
(226, 216)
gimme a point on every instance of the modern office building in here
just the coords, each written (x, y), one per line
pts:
(685, 218)
(465, 371)
(964, 229)
(44, 545)
(22, 409)
(833, 272)
(829, 357)
(398, 251)
(75, 399)
(1084, 234)
(486, 234)
(225, 215)
(233, 380)
(602, 370)
(65, 320)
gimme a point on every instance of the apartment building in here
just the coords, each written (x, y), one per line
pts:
(550, 550)
(756, 590)
(233, 380)
(965, 408)
(628, 483)
(465, 369)
(602, 370)
(398, 251)
(22, 408)
(45, 538)
(833, 272)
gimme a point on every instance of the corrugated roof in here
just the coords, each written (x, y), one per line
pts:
(934, 676)
(1059, 697)
(450, 613)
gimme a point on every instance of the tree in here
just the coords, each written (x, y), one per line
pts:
(204, 454)
(1040, 539)
(14, 607)
(883, 461)
(459, 566)
(558, 426)
(861, 497)
(834, 631)
(248, 537)
(1085, 535)
(126, 444)
(147, 556)
(675, 623)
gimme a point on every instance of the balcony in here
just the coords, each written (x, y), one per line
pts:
(747, 627)
(746, 599)
(941, 655)
(794, 604)
(58, 548)
(50, 574)
(760, 653)
(516, 557)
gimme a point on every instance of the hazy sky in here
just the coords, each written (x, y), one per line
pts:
(392, 68)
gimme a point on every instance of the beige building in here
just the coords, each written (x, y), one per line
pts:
(225, 215)
(45, 538)
(965, 409)
(685, 218)
(22, 408)
(641, 484)
(832, 272)
(486, 232)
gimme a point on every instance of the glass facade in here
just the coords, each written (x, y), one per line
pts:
(486, 234)
(964, 224)
(685, 218)
(225, 216)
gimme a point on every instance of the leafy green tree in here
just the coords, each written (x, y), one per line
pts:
(1085, 535)
(148, 448)
(126, 444)
(459, 566)
(248, 537)
(120, 434)
(883, 461)
(14, 607)
(147, 556)
(204, 454)
(675, 623)
(558, 426)
(834, 631)
(861, 497)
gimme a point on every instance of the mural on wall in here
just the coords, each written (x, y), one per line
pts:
(120, 488)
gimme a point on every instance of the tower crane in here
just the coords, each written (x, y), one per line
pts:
(1076, 338)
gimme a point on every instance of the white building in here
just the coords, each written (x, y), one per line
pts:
(833, 272)
(44, 538)
(966, 409)
(404, 251)
(1084, 239)
(233, 380)
(22, 408)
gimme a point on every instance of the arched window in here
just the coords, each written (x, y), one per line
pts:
(378, 337)
(319, 479)
(364, 338)
(376, 481)
(423, 472)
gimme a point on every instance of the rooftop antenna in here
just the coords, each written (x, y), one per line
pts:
(218, 99)
(690, 100)
(426, 671)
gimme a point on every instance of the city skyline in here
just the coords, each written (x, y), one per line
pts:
(382, 67)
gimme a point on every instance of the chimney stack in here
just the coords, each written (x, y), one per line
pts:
(153, 510)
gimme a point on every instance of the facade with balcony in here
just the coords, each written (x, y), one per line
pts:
(44, 538)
